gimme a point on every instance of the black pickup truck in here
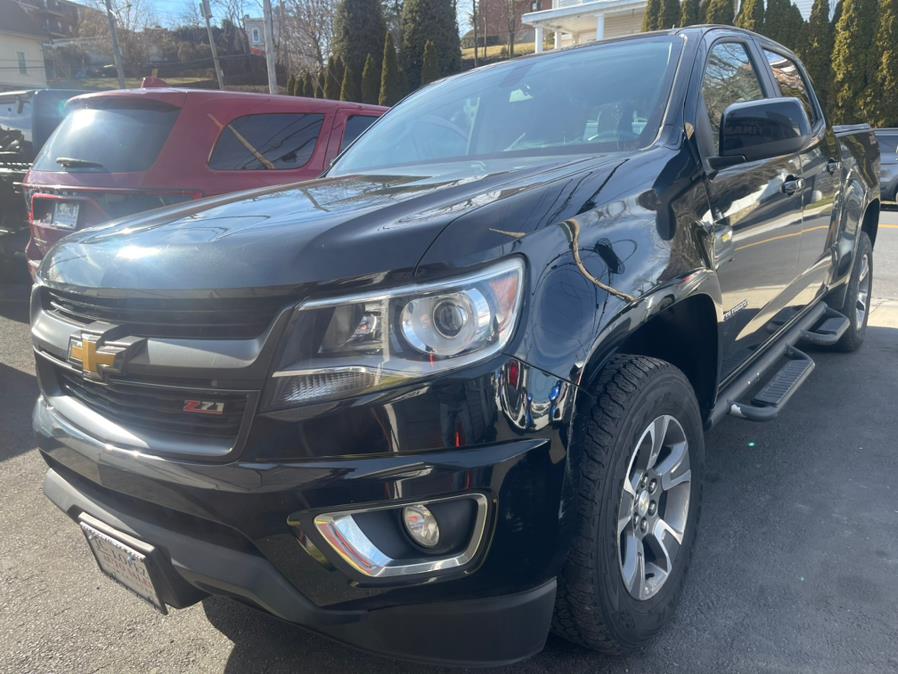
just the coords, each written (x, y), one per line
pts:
(451, 396)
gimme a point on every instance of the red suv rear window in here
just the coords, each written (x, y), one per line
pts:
(113, 139)
(267, 142)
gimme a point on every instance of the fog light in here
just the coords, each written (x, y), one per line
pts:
(421, 525)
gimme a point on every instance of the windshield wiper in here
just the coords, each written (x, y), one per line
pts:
(73, 162)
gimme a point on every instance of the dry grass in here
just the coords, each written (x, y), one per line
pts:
(496, 51)
(106, 83)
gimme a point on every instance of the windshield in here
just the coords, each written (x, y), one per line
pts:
(115, 139)
(605, 98)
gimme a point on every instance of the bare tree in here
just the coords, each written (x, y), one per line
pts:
(509, 17)
(132, 19)
(310, 31)
(236, 12)
(190, 14)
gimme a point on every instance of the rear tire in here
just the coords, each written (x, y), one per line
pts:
(858, 296)
(601, 602)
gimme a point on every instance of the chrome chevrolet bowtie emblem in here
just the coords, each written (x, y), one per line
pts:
(98, 357)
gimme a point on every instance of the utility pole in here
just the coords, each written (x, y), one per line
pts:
(207, 15)
(116, 52)
(269, 48)
(474, 24)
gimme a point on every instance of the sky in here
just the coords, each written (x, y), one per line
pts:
(169, 12)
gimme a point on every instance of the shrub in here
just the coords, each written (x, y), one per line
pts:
(390, 83)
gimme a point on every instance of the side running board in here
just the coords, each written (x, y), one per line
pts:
(762, 390)
(767, 403)
(829, 330)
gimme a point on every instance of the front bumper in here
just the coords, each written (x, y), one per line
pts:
(223, 529)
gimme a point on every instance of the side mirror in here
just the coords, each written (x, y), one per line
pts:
(770, 127)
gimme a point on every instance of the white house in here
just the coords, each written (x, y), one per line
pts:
(576, 21)
(21, 49)
(255, 32)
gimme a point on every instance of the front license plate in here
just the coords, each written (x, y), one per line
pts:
(124, 564)
(65, 214)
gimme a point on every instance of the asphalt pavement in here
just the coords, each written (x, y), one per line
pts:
(795, 569)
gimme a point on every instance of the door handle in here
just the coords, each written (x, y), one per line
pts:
(832, 166)
(791, 185)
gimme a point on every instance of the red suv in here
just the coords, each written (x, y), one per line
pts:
(121, 152)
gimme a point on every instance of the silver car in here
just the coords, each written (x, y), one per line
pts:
(888, 173)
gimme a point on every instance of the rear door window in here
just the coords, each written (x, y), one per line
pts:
(355, 125)
(114, 139)
(791, 82)
(267, 142)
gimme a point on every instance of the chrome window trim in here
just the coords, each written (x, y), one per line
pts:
(346, 538)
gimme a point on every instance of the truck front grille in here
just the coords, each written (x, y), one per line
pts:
(207, 318)
(158, 408)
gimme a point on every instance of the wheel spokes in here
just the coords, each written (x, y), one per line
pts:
(624, 513)
(863, 291)
(633, 565)
(658, 433)
(674, 469)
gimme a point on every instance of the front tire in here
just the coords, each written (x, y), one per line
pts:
(638, 457)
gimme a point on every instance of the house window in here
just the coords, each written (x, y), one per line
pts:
(256, 37)
(23, 65)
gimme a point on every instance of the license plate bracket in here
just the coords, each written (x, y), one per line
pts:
(124, 559)
(65, 214)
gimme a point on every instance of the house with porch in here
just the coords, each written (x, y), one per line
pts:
(576, 21)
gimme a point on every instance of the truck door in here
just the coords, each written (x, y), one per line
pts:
(819, 181)
(755, 208)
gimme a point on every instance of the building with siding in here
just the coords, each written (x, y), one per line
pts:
(576, 21)
(21, 49)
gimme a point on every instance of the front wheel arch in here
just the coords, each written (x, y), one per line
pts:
(684, 334)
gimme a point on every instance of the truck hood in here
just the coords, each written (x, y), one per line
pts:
(354, 230)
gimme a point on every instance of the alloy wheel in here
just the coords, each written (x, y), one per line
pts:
(654, 507)
(863, 291)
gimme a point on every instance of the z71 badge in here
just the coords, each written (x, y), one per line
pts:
(203, 406)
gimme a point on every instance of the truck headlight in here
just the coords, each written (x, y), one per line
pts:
(345, 346)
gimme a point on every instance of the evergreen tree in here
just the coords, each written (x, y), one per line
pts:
(795, 28)
(690, 13)
(349, 89)
(291, 85)
(370, 84)
(854, 61)
(359, 29)
(424, 20)
(430, 68)
(837, 14)
(719, 11)
(390, 88)
(816, 49)
(333, 79)
(305, 85)
(751, 16)
(886, 76)
(670, 14)
(652, 15)
(776, 20)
